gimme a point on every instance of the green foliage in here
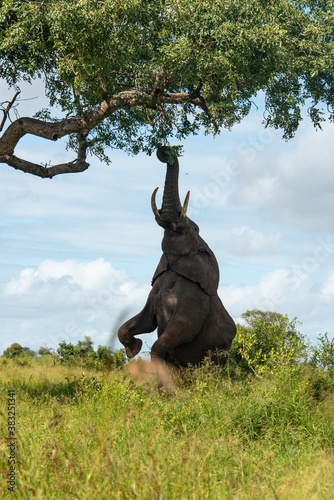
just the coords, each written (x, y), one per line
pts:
(44, 351)
(104, 435)
(83, 354)
(17, 351)
(23, 360)
(82, 350)
(322, 354)
(110, 359)
(170, 69)
(29, 352)
(12, 351)
(172, 153)
(65, 351)
(268, 341)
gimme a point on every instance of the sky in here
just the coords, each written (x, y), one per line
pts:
(78, 252)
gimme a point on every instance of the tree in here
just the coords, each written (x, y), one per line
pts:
(83, 353)
(82, 350)
(267, 341)
(28, 351)
(132, 74)
(44, 351)
(84, 347)
(13, 350)
(322, 354)
(66, 351)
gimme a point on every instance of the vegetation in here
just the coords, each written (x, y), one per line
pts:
(254, 429)
(14, 350)
(82, 354)
(45, 350)
(132, 74)
(17, 350)
(268, 341)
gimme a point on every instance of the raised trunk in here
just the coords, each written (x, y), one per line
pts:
(171, 206)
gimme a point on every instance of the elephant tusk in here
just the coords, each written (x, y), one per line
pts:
(154, 205)
(185, 206)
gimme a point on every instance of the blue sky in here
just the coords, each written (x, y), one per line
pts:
(77, 253)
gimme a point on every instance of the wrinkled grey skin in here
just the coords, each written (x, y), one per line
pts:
(183, 303)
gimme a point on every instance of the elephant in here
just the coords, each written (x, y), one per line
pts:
(183, 303)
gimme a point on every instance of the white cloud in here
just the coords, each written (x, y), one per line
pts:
(295, 293)
(296, 186)
(327, 290)
(247, 241)
(268, 293)
(261, 192)
(91, 276)
(68, 299)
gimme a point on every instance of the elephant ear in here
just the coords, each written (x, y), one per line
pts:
(162, 267)
(200, 267)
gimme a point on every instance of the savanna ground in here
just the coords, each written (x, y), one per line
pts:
(210, 433)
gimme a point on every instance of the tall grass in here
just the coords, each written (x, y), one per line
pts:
(208, 436)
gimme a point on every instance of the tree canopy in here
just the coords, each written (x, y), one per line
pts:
(12, 351)
(132, 74)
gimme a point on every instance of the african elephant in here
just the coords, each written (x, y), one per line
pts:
(183, 303)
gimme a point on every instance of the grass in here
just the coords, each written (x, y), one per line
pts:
(209, 436)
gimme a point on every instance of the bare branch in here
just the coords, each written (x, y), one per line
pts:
(81, 126)
(79, 165)
(49, 130)
(7, 110)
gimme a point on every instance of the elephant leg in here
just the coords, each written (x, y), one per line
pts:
(180, 330)
(144, 322)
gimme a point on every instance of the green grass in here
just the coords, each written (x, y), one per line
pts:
(108, 435)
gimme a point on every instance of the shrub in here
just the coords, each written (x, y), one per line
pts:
(322, 354)
(267, 341)
(110, 359)
(83, 354)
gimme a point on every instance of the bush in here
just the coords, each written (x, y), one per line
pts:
(111, 359)
(82, 354)
(322, 355)
(266, 342)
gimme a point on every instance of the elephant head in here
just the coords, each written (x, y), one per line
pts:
(184, 250)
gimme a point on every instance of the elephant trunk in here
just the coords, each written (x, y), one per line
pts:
(171, 209)
(171, 206)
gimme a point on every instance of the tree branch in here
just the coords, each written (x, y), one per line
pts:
(195, 98)
(7, 110)
(162, 81)
(78, 165)
(81, 126)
